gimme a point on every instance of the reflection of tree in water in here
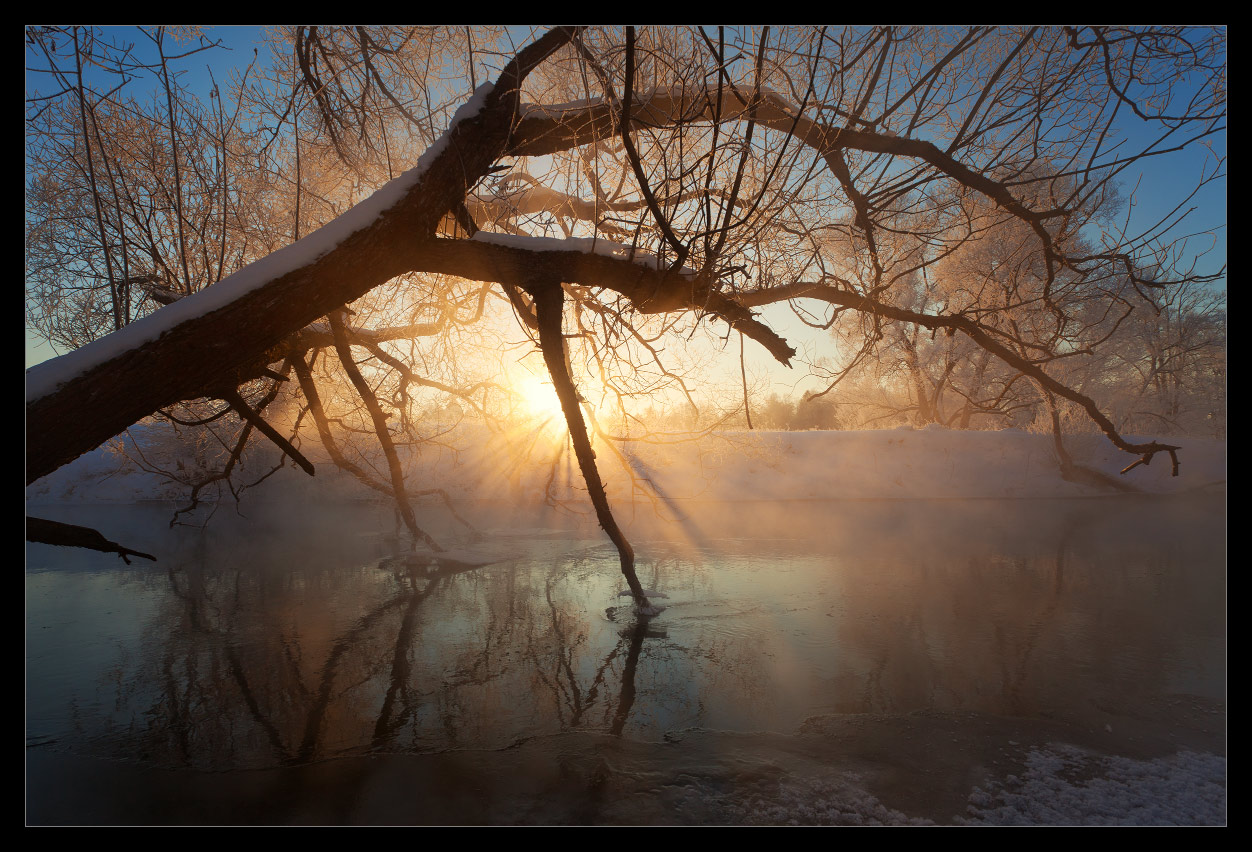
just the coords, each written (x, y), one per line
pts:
(559, 672)
(257, 667)
(262, 663)
(725, 648)
(1007, 633)
(244, 661)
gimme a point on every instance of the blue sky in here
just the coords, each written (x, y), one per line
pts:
(238, 43)
(1160, 185)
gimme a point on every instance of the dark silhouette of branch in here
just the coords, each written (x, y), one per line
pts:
(549, 299)
(43, 531)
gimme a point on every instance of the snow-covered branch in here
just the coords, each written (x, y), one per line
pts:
(203, 342)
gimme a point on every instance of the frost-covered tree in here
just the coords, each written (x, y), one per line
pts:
(617, 186)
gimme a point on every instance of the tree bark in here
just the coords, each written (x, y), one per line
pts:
(208, 351)
(549, 299)
(381, 430)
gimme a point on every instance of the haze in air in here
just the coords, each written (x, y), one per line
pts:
(716, 425)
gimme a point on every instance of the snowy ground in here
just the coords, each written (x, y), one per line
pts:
(1064, 785)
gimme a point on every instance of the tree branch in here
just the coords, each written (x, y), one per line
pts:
(42, 531)
(78, 401)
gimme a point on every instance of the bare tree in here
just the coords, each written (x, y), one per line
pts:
(614, 187)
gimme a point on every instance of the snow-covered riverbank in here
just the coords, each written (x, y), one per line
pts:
(932, 463)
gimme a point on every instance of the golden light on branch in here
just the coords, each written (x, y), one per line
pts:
(927, 194)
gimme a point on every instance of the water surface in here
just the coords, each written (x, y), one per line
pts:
(885, 657)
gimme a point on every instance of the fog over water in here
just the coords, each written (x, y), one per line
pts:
(750, 425)
(877, 660)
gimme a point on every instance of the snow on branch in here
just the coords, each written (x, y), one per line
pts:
(43, 379)
(195, 345)
(586, 245)
(650, 285)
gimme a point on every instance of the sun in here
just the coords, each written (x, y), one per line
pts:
(539, 398)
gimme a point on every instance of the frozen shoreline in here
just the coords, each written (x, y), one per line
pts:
(709, 778)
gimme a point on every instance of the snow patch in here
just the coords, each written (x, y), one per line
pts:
(585, 245)
(832, 799)
(1064, 785)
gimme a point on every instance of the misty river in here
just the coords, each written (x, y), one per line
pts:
(816, 662)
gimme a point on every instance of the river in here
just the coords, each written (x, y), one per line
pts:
(816, 662)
